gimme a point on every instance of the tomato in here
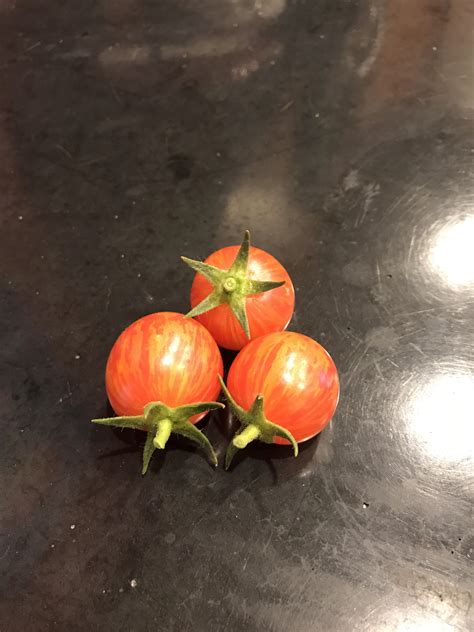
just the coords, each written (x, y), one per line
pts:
(241, 293)
(161, 376)
(284, 388)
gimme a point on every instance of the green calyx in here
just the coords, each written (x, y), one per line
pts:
(160, 421)
(230, 286)
(254, 425)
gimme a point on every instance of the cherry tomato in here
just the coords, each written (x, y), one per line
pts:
(162, 357)
(297, 379)
(161, 377)
(267, 311)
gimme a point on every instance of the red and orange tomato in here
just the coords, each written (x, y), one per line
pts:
(266, 312)
(163, 357)
(297, 378)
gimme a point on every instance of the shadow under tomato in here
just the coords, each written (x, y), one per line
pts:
(135, 441)
(224, 428)
(219, 427)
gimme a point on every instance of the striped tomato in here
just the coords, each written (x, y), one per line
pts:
(162, 376)
(284, 388)
(241, 293)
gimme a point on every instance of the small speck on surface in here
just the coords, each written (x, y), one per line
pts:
(120, 590)
(316, 115)
(73, 526)
(365, 505)
(53, 546)
(139, 274)
(122, 256)
(20, 217)
(435, 48)
(116, 216)
(133, 583)
(77, 357)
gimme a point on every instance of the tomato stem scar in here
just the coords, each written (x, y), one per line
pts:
(229, 284)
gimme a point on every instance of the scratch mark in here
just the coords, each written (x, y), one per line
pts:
(408, 380)
(64, 151)
(107, 302)
(335, 301)
(32, 47)
(267, 543)
(417, 348)
(379, 371)
(377, 270)
(148, 296)
(410, 249)
(114, 92)
(370, 192)
(439, 308)
(287, 106)
(356, 366)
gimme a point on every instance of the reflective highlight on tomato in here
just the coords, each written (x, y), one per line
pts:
(163, 357)
(266, 312)
(296, 377)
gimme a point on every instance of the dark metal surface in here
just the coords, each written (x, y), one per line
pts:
(340, 133)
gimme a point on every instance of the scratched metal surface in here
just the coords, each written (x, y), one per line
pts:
(340, 133)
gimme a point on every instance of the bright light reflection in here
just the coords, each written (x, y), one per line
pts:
(425, 625)
(441, 416)
(288, 374)
(173, 348)
(452, 254)
(302, 374)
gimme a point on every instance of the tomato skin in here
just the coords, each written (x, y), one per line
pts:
(297, 378)
(266, 312)
(163, 357)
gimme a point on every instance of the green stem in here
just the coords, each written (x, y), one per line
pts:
(229, 285)
(248, 434)
(163, 433)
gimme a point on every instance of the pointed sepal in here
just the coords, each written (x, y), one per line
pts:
(253, 426)
(148, 450)
(231, 286)
(160, 421)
